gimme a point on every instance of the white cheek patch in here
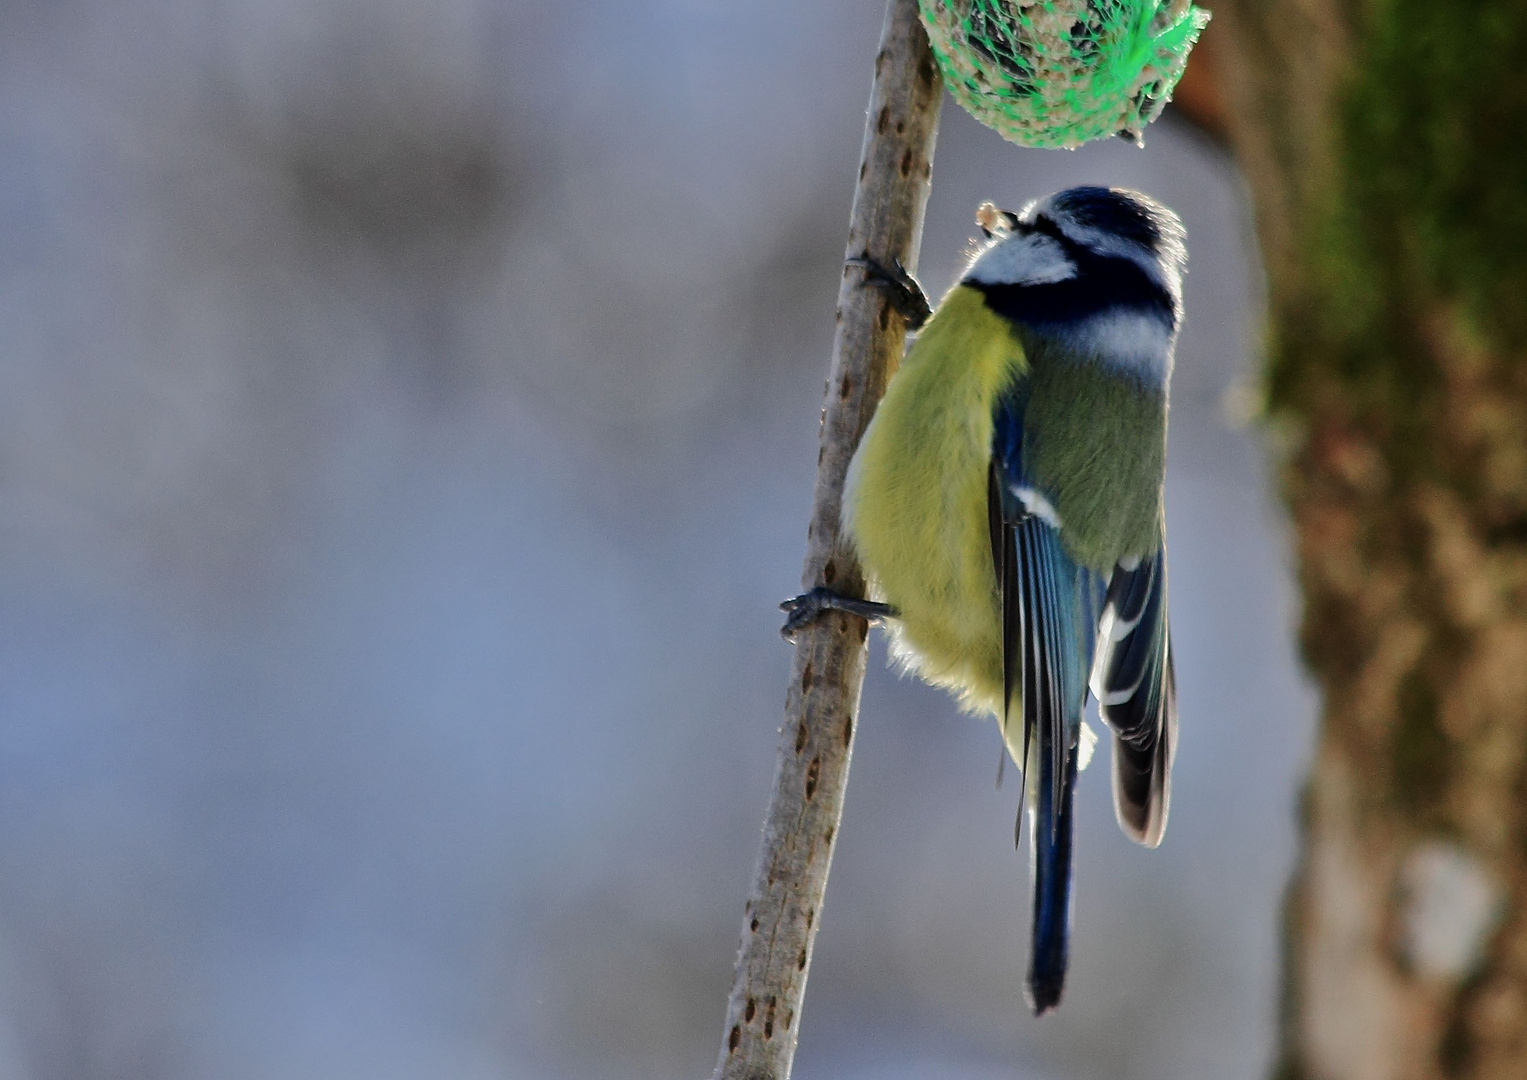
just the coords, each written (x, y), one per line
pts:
(1022, 260)
(1131, 341)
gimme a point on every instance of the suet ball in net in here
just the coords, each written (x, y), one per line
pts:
(1059, 73)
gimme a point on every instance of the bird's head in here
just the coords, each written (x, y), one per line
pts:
(1076, 234)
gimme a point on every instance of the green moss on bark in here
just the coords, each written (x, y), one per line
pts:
(1413, 264)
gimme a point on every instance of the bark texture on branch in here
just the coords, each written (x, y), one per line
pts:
(1385, 145)
(821, 708)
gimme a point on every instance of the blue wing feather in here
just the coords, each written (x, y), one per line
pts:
(1050, 610)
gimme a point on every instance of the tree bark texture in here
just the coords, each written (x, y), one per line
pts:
(1385, 146)
(783, 911)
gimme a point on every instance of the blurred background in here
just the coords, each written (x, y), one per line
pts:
(408, 418)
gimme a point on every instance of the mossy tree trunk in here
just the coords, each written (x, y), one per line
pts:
(1385, 145)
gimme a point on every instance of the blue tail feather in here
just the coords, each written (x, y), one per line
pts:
(1050, 828)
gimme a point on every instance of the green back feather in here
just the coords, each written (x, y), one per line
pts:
(1095, 444)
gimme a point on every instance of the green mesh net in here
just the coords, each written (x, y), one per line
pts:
(1058, 73)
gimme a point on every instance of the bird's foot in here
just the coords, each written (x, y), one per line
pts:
(808, 607)
(902, 289)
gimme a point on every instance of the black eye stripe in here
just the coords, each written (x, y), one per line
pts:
(1046, 226)
(1101, 281)
(1120, 213)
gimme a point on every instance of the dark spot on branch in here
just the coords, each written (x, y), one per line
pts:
(811, 914)
(848, 730)
(813, 771)
(734, 1039)
(768, 1029)
(906, 162)
(753, 926)
(830, 572)
(800, 962)
(883, 121)
(831, 832)
(800, 736)
(808, 677)
(864, 167)
(747, 1014)
(845, 387)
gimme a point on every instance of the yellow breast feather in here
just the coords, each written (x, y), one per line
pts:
(917, 499)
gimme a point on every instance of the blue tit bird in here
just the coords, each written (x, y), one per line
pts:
(1006, 505)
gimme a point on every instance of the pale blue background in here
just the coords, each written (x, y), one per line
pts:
(407, 422)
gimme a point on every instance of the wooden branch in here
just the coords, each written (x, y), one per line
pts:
(821, 708)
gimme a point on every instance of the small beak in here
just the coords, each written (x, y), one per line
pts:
(993, 220)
